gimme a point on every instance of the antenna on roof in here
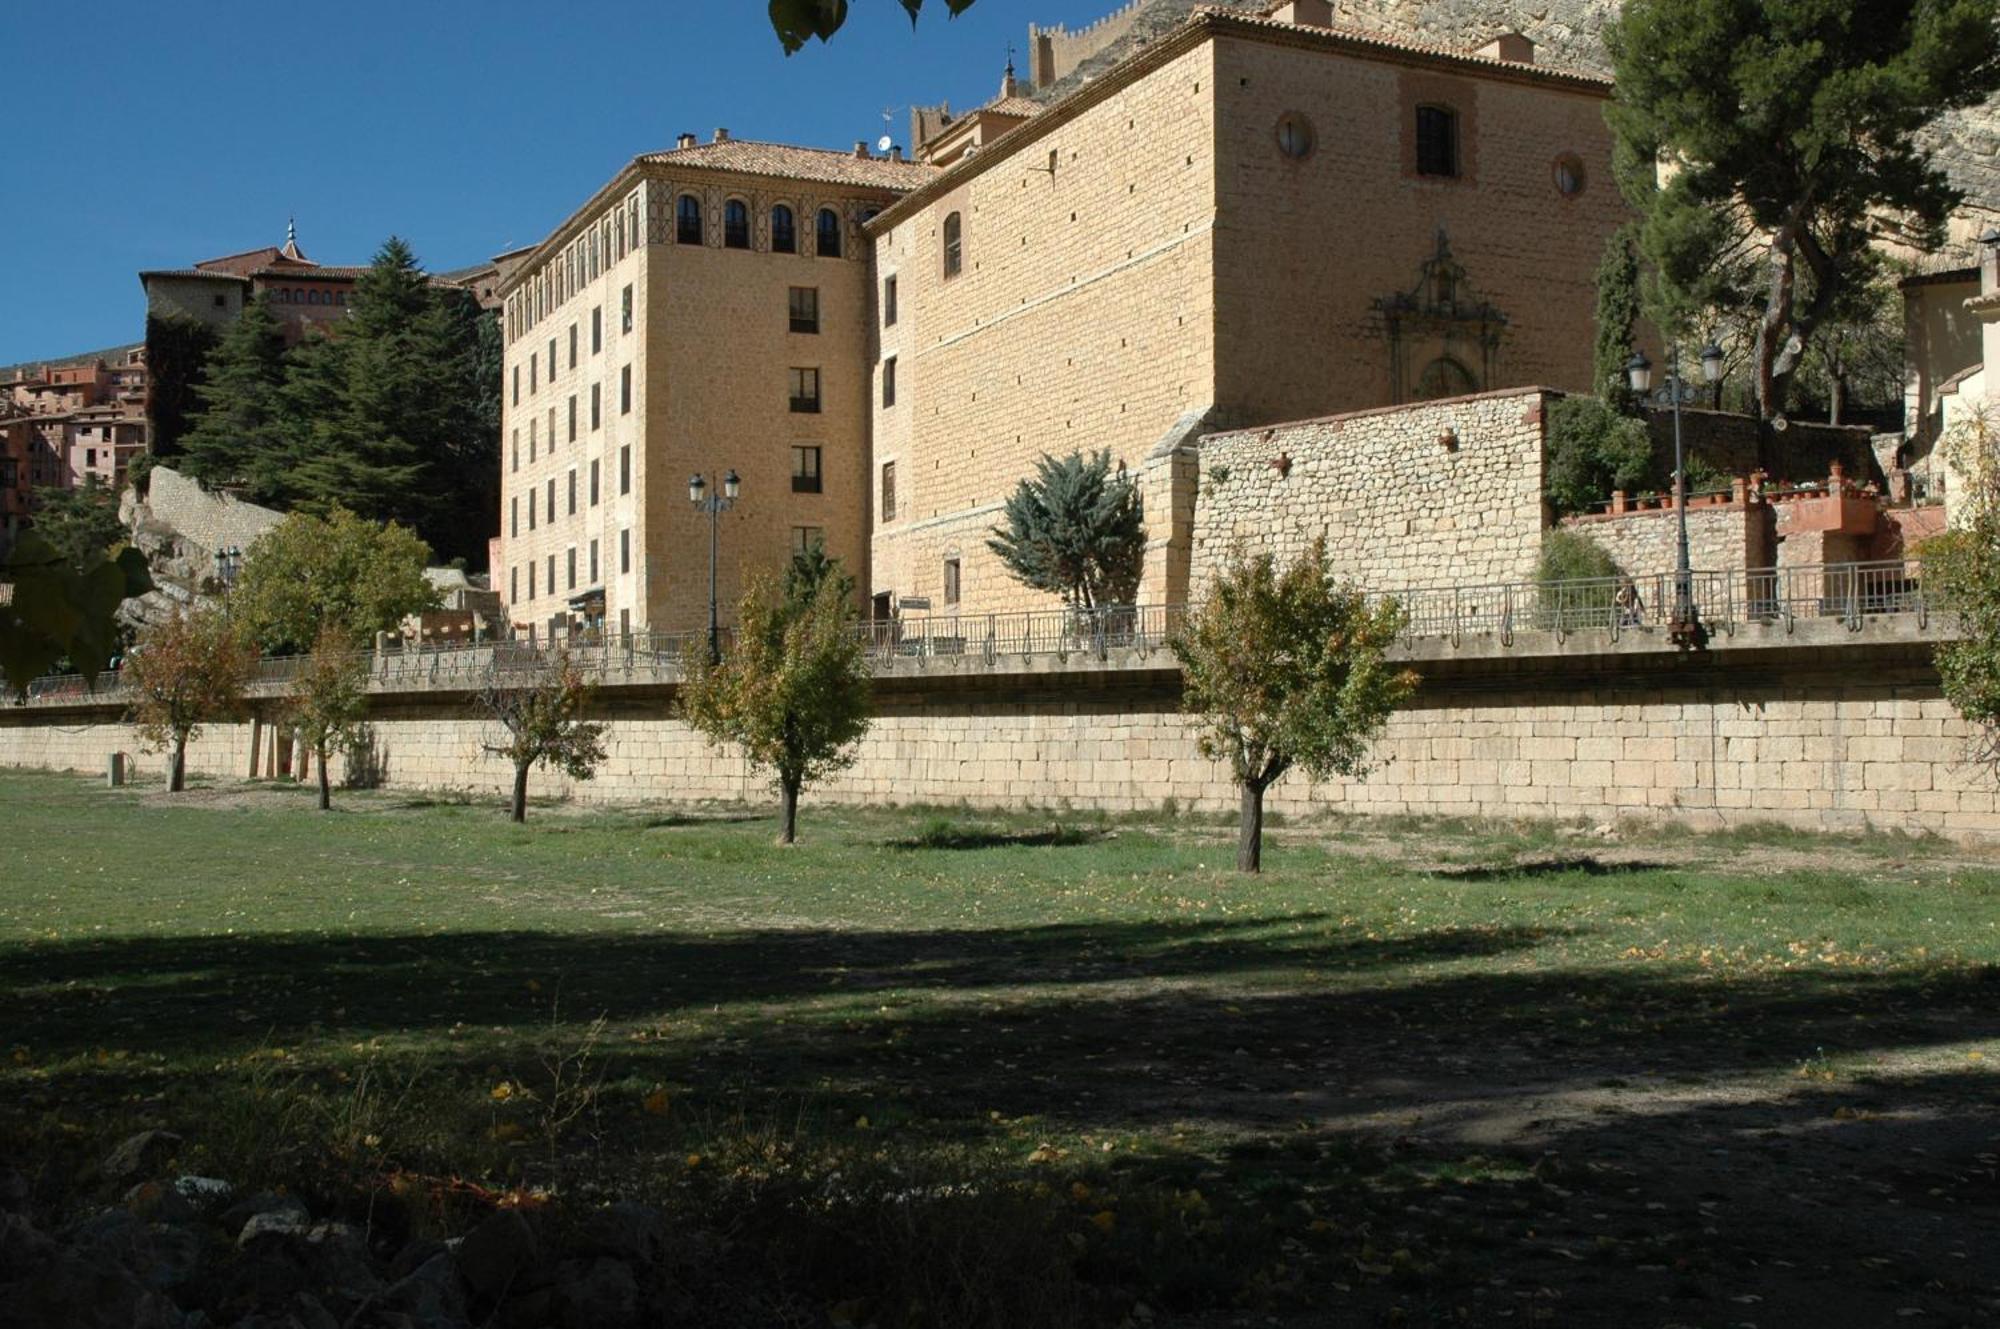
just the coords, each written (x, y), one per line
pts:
(888, 139)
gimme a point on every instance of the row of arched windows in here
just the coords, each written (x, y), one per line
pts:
(286, 295)
(736, 227)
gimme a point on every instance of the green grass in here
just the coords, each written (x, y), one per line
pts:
(1080, 1045)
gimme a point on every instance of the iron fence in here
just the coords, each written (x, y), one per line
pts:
(1849, 592)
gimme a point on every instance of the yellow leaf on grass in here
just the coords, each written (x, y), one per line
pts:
(655, 1103)
(503, 1091)
(1104, 1220)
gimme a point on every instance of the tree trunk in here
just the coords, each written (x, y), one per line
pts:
(1837, 406)
(177, 768)
(1776, 323)
(788, 814)
(520, 808)
(325, 790)
(1250, 832)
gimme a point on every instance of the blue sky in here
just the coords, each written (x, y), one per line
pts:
(154, 135)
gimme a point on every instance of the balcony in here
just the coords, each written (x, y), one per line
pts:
(805, 484)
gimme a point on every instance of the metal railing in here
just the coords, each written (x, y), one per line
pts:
(1849, 592)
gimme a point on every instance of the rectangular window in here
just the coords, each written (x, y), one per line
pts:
(593, 562)
(572, 567)
(805, 470)
(627, 299)
(805, 391)
(624, 622)
(572, 491)
(596, 405)
(888, 302)
(889, 381)
(951, 581)
(625, 469)
(551, 509)
(514, 515)
(888, 491)
(1437, 141)
(805, 539)
(531, 438)
(517, 385)
(593, 482)
(805, 309)
(625, 550)
(572, 418)
(552, 574)
(514, 584)
(552, 362)
(517, 450)
(534, 371)
(531, 579)
(572, 346)
(625, 390)
(531, 507)
(596, 329)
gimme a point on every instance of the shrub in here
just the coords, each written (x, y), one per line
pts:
(1570, 557)
(1592, 451)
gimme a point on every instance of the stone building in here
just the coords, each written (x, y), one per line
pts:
(303, 295)
(1172, 246)
(1248, 220)
(73, 419)
(707, 311)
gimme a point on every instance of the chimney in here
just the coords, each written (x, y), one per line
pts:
(1511, 47)
(1305, 13)
(896, 153)
(861, 148)
(721, 136)
(684, 141)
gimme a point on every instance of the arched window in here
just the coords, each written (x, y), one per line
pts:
(736, 224)
(784, 231)
(829, 233)
(687, 220)
(954, 247)
(1445, 377)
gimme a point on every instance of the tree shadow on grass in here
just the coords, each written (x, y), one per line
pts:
(980, 838)
(1579, 864)
(1646, 1144)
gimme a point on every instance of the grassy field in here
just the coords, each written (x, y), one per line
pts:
(936, 1067)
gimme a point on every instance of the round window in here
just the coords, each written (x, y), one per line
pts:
(1295, 135)
(1569, 175)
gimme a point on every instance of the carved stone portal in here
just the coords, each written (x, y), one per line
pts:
(1443, 336)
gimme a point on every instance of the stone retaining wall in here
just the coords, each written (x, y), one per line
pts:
(1838, 738)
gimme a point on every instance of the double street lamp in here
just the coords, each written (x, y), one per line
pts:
(715, 505)
(1685, 628)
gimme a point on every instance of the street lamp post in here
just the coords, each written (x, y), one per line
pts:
(1685, 628)
(715, 505)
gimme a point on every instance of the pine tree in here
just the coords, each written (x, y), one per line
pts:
(240, 438)
(1793, 128)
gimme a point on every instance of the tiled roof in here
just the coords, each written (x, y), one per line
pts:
(1022, 106)
(199, 273)
(112, 356)
(793, 163)
(314, 273)
(1388, 42)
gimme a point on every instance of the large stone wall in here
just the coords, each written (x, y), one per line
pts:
(1409, 496)
(1840, 737)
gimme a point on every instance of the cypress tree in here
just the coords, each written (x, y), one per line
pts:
(1617, 312)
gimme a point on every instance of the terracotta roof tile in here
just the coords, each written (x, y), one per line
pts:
(1023, 106)
(1368, 37)
(782, 159)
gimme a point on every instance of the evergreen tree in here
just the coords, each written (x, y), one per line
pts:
(80, 524)
(1075, 529)
(1792, 127)
(370, 453)
(1617, 314)
(239, 437)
